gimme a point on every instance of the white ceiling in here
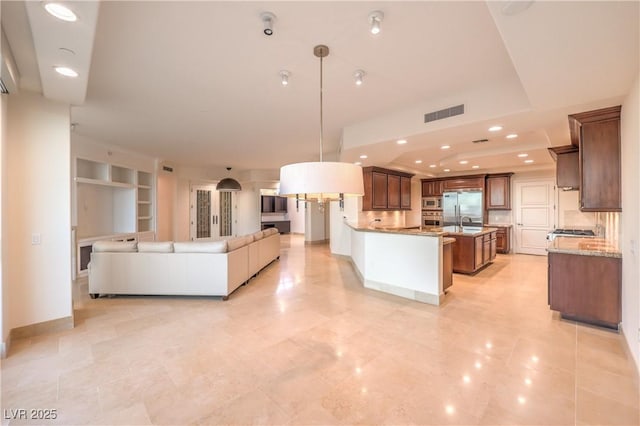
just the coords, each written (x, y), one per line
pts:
(196, 83)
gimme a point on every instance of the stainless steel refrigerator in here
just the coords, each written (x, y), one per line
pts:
(465, 206)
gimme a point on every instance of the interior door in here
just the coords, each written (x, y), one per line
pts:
(204, 213)
(534, 207)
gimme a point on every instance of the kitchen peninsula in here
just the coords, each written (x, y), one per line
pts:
(407, 262)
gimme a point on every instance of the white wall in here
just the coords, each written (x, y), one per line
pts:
(296, 216)
(167, 194)
(315, 223)
(630, 136)
(4, 286)
(38, 153)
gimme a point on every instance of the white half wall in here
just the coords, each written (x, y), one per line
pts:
(630, 138)
(38, 153)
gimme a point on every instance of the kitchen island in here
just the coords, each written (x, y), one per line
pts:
(585, 280)
(408, 262)
(474, 248)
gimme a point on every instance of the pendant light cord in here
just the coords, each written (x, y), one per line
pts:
(321, 116)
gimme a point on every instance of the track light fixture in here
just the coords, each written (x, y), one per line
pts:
(358, 75)
(375, 18)
(284, 77)
(268, 19)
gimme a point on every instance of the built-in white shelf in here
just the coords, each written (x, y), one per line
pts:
(104, 183)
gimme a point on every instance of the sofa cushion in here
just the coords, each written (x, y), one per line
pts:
(236, 243)
(155, 247)
(115, 246)
(270, 231)
(200, 247)
(257, 235)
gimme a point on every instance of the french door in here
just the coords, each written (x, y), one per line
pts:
(210, 213)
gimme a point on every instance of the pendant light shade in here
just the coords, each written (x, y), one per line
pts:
(320, 180)
(228, 184)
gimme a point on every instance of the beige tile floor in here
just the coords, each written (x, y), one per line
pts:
(305, 343)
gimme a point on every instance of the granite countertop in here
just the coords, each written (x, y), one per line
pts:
(404, 230)
(466, 230)
(499, 225)
(587, 246)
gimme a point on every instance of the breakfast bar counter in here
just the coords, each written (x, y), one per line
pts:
(405, 261)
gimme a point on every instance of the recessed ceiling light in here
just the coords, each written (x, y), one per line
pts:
(401, 141)
(284, 77)
(528, 161)
(61, 12)
(512, 136)
(66, 71)
(445, 147)
(375, 18)
(363, 156)
(523, 155)
(475, 167)
(432, 165)
(358, 163)
(495, 128)
(464, 162)
(447, 170)
(418, 161)
(358, 76)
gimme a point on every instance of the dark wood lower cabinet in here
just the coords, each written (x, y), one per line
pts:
(586, 288)
(471, 253)
(503, 240)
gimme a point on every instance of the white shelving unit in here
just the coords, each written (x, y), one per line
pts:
(113, 202)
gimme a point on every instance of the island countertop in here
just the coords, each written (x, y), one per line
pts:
(430, 231)
(585, 246)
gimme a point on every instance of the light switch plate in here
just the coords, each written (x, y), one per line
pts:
(36, 239)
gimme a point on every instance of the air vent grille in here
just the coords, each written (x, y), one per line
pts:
(480, 141)
(3, 88)
(167, 169)
(444, 113)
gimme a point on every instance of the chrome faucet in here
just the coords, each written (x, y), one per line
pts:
(462, 219)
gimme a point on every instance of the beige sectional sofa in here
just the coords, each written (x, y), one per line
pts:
(212, 268)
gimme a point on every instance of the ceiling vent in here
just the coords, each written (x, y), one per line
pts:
(167, 169)
(480, 141)
(444, 113)
(3, 87)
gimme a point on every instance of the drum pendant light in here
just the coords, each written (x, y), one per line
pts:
(321, 181)
(228, 184)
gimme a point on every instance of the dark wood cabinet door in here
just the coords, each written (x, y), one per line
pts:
(479, 252)
(464, 183)
(568, 170)
(600, 186)
(498, 195)
(447, 266)
(425, 188)
(587, 288)
(405, 193)
(493, 248)
(438, 188)
(379, 199)
(393, 192)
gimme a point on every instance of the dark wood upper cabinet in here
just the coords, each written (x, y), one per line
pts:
(380, 194)
(393, 192)
(599, 159)
(432, 187)
(567, 167)
(498, 192)
(386, 189)
(464, 182)
(405, 193)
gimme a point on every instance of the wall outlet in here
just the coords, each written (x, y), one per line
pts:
(36, 239)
